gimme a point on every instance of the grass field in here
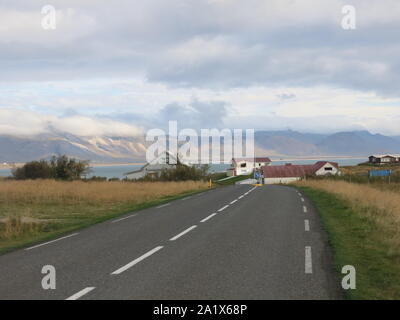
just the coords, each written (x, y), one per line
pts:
(39, 210)
(233, 180)
(363, 223)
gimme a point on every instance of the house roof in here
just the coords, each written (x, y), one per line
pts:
(290, 170)
(319, 164)
(159, 161)
(385, 155)
(256, 159)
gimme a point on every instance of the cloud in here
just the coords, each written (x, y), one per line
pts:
(286, 96)
(196, 114)
(206, 43)
(26, 123)
(110, 68)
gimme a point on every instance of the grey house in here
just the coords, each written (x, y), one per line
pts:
(165, 161)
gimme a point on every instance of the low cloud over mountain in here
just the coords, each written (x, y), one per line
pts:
(270, 143)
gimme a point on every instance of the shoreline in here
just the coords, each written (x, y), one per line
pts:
(110, 164)
(320, 158)
(117, 164)
(93, 165)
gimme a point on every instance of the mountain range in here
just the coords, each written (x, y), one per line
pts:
(133, 149)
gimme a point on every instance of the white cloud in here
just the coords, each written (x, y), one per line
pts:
(27, 123)
(270, 64)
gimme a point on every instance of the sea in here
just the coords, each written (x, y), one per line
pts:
(118, 171)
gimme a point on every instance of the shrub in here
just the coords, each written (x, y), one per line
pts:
(62, 168)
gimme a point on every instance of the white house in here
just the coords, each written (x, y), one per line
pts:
(289, 173)
(165, 161)
(246, 166)
(384, 158)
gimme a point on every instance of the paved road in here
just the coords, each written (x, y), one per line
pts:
(237, 242)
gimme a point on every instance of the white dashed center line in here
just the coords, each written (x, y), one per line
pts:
(233, 201)
(306, 225)
(305, 209)
(136, 261)
(302, 199)
(241, 197)
(308, 260)
(81, 293)
(223, 208)
(43, 244)
(209, 217)
(182, 233)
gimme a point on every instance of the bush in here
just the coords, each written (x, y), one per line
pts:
(34, 170)
(181, 172)
(62, 168)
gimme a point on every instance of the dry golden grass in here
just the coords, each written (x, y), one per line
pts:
(363, 170)
(32, 208)
(49, 191)
(381, 207)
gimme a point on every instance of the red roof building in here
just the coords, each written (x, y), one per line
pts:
(289, 172)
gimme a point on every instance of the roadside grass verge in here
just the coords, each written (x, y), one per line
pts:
(363, 229)
(233, 180)
(35, 211)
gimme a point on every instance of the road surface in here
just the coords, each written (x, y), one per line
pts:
(236, 242)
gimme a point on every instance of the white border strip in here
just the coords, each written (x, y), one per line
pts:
(43, 244)
(308, 261)
(306, 225)
(118, 220)
(162, 206)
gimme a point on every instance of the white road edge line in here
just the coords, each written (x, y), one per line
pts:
(182, 233)
(304, 209)
(186, 198)
(233, 201)
(81, 293)
(136, 261)
(223, 208)
(131, 216)
(209, 217)
(306, 225)
(43, 244)
(308, 260)
(164, 205)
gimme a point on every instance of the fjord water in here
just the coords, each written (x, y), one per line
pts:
(118, 171)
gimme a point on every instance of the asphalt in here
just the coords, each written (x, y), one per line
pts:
(256, 247)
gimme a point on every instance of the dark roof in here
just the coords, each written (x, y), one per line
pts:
(318, 165)
(290, 170)
(256, 159)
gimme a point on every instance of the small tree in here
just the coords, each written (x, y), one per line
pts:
(68, 168)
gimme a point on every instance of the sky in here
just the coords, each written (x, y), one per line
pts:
(122, 67)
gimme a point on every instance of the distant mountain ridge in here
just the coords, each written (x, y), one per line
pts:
(133, 149)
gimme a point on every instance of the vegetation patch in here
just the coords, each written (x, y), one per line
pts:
(37, 210)
(363, 225)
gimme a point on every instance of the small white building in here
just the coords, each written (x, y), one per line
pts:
(246, 166)
(384, 158)
(165, 161)
(289, 173)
